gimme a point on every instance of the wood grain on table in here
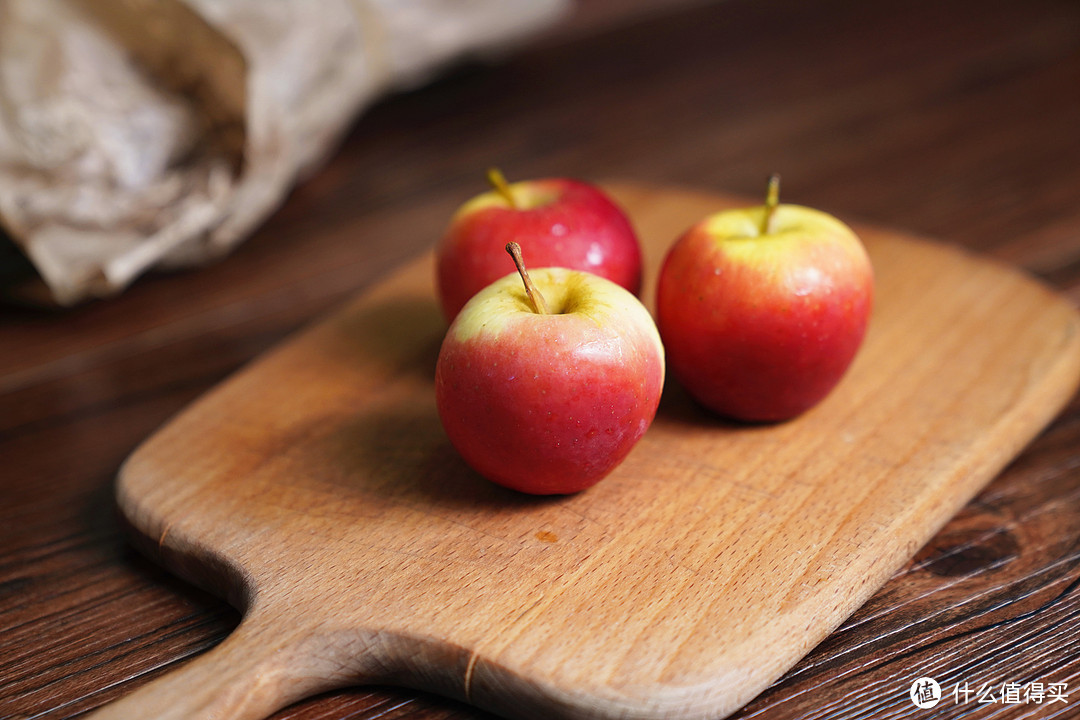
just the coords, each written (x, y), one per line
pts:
(955, 120)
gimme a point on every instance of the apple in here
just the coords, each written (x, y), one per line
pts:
(557, 222)
(763, 309)
(546, 380)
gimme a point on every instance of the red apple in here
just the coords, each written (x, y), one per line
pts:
(762, 309)
(557, 222)
(549, 397)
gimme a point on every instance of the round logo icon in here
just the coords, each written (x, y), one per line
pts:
(925, 693)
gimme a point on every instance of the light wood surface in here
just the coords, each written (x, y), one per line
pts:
(315, 490)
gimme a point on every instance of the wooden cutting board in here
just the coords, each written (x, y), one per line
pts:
(317, 492)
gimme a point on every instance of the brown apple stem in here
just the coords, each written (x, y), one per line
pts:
(772, 199)
(539, 304)
(499, 184)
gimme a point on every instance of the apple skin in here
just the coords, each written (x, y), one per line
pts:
(762, 327)
(549, 404)
(557, 222)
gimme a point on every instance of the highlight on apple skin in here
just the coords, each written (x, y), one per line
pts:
(763, 309)
(549, 402)
(557, 222)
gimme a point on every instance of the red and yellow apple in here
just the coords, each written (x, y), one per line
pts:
(763, 309)
(547, 378)
(557, 222)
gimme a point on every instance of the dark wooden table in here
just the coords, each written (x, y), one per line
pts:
(953, 119)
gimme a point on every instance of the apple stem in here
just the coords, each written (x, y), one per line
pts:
(539, 304)
(499, 184)
(772, 199)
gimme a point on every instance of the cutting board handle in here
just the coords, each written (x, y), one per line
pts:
(253, 673)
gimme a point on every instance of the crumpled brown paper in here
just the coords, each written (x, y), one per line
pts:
(158, 133)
